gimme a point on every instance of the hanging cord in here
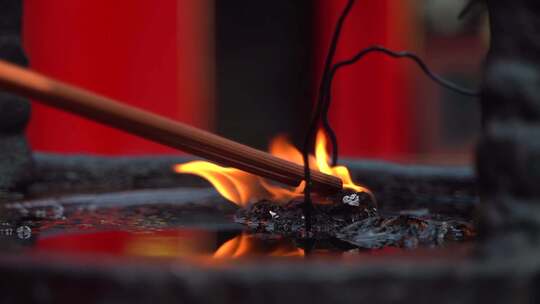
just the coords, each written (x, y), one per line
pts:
(379, 49)
(310, 137)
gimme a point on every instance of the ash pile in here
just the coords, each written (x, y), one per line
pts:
(355, 220)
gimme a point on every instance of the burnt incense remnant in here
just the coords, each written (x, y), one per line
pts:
(354, 219)
(327, 219)
(15, 158)
(407, 230)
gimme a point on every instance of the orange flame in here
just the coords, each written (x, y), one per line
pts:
(243, 188)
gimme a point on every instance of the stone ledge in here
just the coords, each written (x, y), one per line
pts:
(53, 279)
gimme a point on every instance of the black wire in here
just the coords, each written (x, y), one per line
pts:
(373, 49)
(405, 54)
(312, 130)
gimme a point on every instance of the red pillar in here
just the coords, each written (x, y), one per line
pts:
(145, 53)
(370, 106)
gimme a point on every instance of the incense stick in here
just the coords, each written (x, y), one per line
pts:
(151, 126)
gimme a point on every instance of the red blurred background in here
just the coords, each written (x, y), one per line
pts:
(146, 54)
(159, 56)
(370, 105)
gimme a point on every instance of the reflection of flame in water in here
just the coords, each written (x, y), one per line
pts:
(243, 188)
(183, 243)
(244, 245)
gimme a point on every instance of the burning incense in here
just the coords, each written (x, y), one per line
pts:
(159, 129)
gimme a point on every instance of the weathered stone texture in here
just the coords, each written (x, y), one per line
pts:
(508, 156)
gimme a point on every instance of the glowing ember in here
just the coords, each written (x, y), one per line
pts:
(243, 188)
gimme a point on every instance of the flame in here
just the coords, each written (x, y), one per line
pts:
(243, 188)
(233, 184)
(244, 245)
(323, 165)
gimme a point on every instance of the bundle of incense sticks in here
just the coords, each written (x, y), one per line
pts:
(151, 126)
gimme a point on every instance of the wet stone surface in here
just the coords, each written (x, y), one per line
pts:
(145, 210)
(336, 226)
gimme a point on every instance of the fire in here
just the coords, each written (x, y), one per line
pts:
(243, 188)
(244, 245)
(322, 158)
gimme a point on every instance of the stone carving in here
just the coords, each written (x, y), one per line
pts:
(508, 156)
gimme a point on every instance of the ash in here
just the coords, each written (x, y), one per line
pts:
(361, 226)
(407, 231)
